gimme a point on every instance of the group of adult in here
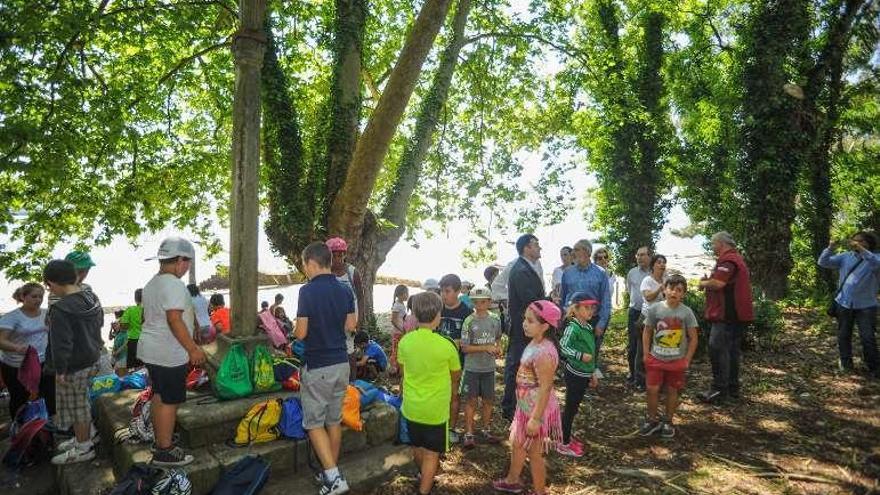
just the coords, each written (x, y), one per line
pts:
(728, 304)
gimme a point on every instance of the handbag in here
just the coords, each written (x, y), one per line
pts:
(834, 308)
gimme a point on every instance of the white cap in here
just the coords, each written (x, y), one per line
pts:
(467, 283)
(172, 247)
(431, 284)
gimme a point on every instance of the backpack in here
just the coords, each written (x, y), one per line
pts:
(291, 424)
(260, 424)
(284, 368)
(140, 427)
(31, 444)
(369, 392)
(299, 348)
(29, 411)
(139, 480)
(142, 399)
(234, 378)
(134, 381)
(104, 384)
(30, 371)
(263, 372)
(273, 330)
(173, 482)
(196, 378)
(245, 477)
(351, 409)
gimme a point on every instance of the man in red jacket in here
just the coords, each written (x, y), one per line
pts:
(729, 310)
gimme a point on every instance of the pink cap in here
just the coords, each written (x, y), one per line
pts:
(337, 244)
(548, 312)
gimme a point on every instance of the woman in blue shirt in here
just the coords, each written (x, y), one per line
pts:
(858, 281)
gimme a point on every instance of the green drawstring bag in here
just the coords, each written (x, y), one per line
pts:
(234, 377)
(263, 370)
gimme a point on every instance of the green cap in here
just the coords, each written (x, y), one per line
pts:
(80, 259)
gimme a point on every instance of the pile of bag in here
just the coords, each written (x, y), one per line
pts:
(245, 477)
(240, 376)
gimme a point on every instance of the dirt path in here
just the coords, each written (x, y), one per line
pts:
(800, 428)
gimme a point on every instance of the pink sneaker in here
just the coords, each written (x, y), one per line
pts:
(503, 486)
(567, 450)
(576, 445)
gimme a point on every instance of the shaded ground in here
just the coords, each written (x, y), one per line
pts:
(800, 428)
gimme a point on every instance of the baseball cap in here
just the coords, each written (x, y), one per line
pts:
(337, 244)
(481, 293)
(582, 299)
(548, 312)
(431, 284)
(81, 260)
(173, 247)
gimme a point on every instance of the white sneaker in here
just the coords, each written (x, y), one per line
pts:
(335, 487)
(74, 455)
(71, 442)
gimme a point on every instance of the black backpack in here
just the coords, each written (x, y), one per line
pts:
(139, 480)
(245, 477)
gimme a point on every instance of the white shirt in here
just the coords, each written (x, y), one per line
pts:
(24, 330)
(200, 305)
(157, 344)
(633, 286)
(499, 285)
(648, 283)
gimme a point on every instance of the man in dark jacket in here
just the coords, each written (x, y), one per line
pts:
(74, 345)
(525, 285)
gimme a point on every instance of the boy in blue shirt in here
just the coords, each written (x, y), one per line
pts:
(325, 313)
(370, 358)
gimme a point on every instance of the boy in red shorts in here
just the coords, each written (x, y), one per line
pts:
(670, 335)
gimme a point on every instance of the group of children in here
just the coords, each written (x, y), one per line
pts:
(446, 349)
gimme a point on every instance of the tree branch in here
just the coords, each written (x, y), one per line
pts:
(571, 52)
(169, 6)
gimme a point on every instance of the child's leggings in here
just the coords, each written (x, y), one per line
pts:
(575, 388)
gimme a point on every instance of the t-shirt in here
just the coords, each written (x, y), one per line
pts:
(648, 283)
(633, 285)
(24, 330)
(133, 316)
(157, 344)
(326, 303)
(374, 351)
(670, 325)
(200, 305)
(399, 308)
(480, 331)
(220, 319)
(427, 359)
(452, 320)
(347, 279)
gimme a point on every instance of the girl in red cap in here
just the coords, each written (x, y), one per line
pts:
(537, 425)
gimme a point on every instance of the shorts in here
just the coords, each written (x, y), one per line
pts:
(131, 358)
(428, 437)
(322, 391)
(658, 372)
(478, 384)
(72, 397)
(169, 382)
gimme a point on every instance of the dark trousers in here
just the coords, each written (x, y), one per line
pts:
(867, 321)
(511, 365)
(724, 352)
(18, 395)
(634, 359)
(575, 389)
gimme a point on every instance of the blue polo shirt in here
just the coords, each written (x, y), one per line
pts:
(326, 303)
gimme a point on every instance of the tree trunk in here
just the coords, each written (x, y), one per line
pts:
(248, 51)
(377, 242)
(348, 211)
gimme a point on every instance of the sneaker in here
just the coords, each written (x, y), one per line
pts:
(566, 450)
(74, 455)
(503, 486)
(71, 442)
(649, 428)
(469, 441)
(454, 436)
(488, 437)
(318, 479)
(335, 487)
(175, 456)
(576, 445)
(667, 430)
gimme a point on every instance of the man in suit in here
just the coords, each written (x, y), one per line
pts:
(525, 285)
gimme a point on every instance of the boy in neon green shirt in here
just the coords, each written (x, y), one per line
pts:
(130, 322)
(431, 370)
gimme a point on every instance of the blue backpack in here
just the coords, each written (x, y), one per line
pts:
(291, 424)
(369, 392)
(134, 381)
(402, 427)
(245, 477)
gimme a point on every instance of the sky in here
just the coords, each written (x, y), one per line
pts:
(121, 267)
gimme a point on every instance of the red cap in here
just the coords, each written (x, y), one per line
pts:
(548, 312)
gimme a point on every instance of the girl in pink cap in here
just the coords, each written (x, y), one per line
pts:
(537, 423)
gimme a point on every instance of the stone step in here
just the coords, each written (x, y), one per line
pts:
(289, 458)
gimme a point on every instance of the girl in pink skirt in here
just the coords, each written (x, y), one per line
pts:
(537, 423)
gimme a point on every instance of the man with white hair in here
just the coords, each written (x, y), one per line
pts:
(587, 277)
(729, 310)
